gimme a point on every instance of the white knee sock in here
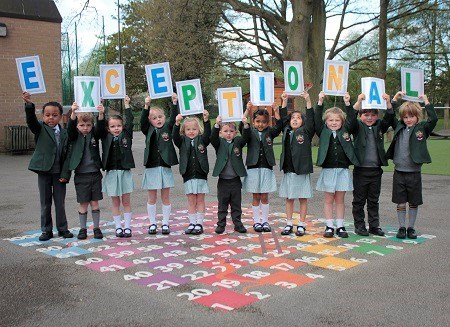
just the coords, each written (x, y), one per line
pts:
(166, 214)
(192, 218)
(127, 217)
(256, 217)
(265, 212)
(200, 217)
(118, 221)
(330, 223)
(151, 210)
(339, 223)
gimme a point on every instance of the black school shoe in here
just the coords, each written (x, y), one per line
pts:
(341, 232)
(376, 231)
(329, 232)
(361, 231)
(411, 233)
(240, 229)
(287, 230)
(82, 234)
(401, 233)
(301, 230)
(220, 229)
(45, 236)
(98, 233)
(198, 229)
(65, 234)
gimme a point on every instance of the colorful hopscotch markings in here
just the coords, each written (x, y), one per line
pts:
(105, 265)
(225, 272)
(225, 300)
(162, 281)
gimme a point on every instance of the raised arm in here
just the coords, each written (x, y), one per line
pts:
(318, 112)
(145, 124)
(176, 136)
(128, 116)
(173, 110)
(30, 112)
(206, 128)
(72, 123)
(432, 116)
(215, 140)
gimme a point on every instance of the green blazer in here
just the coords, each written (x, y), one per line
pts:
(343, 134)
(379, 128)
(164, 139)
(301, 143)
(201, 143)
(77, 144)
(418, 138)
(45, 152)
(267, 136)
(229, 151)
(125, 142)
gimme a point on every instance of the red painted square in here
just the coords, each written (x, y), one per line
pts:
(225, 300)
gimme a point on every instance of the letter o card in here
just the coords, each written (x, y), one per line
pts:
(230, 103)
(30, 74)
(112, 79)
(261, 88)
(373, 89)
(87, 93)
(293, 77)
(335, 77)
(412, 83)
(159, 80)
(190, 99)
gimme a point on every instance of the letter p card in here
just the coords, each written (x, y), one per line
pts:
(87, 93)
(190, 99)
(230, 103)
(30, 74)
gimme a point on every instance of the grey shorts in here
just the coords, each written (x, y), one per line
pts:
(88, 187)
(407, 187)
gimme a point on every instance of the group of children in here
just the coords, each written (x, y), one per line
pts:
(344, 140)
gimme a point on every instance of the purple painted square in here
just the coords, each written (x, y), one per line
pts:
(163, 281)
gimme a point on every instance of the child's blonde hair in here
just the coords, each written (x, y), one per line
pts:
(336, 111)
(411, 108)
(192, 119)
(230, 123)
(85, 117)
(158, 109)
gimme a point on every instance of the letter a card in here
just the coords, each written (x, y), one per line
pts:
(373, 89)
(87, 93)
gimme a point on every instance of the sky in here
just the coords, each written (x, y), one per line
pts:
(89, 27)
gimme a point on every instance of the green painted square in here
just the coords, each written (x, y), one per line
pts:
(418, 240)
(373, 249)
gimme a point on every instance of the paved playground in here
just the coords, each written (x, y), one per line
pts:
(220, 280)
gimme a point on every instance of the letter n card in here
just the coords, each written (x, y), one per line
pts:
(335, 77)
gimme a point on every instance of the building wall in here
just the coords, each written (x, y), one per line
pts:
(27, 38)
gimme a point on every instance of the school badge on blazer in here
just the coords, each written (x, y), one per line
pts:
(419, 135)
(346, 137)
(165, 136)
(124, 143)
(236, 151)
(201, 148)
(93, 142)
(269, 140)
(300, 139)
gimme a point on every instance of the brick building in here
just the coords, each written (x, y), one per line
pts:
(33, 27)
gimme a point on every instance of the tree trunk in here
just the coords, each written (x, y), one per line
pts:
(382, 39)
(306, 41)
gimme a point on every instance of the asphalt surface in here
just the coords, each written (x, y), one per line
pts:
(409, 287)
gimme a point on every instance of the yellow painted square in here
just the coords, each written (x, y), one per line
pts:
(337, 264)
(324, 249)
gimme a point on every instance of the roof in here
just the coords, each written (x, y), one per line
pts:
(43, 10)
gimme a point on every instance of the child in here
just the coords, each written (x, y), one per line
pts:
(159, 157)
(84, 159)
(192, 140)
(230, 168)
(47, 161)
(369, 149)
(296, 163)
(409, 151)
(260, 179)
(117, 160)
(335, 155)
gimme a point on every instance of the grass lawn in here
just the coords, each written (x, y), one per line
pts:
(439, 151)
